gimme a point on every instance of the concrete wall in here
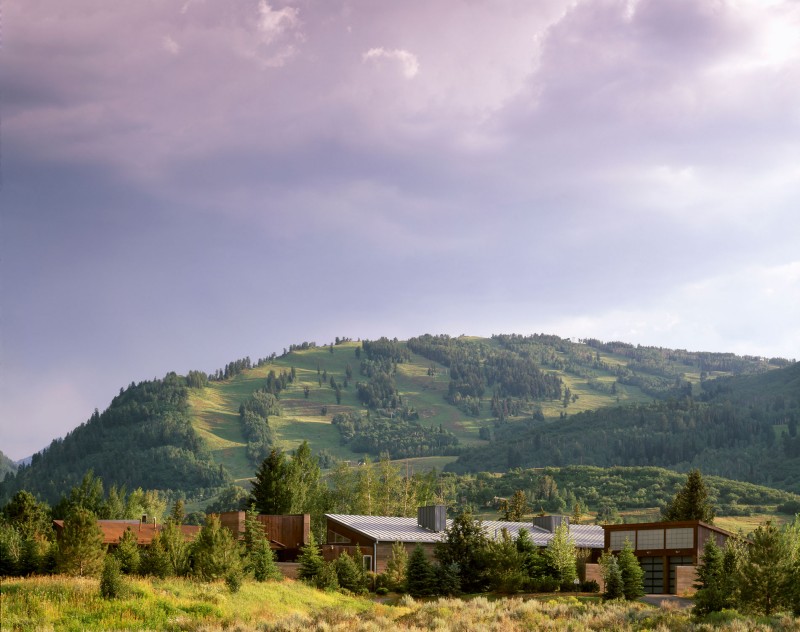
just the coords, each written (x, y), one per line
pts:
(595, 572)
(685, 577)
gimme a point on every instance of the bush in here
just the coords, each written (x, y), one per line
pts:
(381, 590)
(233, 580)
(111, 578)
(590, 586)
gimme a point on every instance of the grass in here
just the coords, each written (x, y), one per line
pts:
(60, 603)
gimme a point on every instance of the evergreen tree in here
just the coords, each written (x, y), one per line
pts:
(515, 509)
(81, 549)
(691, 502)
(561, 555)
(396, 566)
(215, 552)
(154, 560)
(419, 576)
(711, 595)
(310, 560)
(260, 558)
(178, 512)
(533, 563)
(175, 548)
(466, 544)
(506, 570)
(631, 571)
(764, 570)
(612, 577)
(447, 579)
(270, 493)
(350, 572)
(111, 578)
(326, 579)
(28, 516)
(127, 553)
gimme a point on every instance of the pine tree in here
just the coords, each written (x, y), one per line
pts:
(111, 578)
(691, 502)
(81, 549)
(711, 595)
(612, 577)
(764, 570)
(310, 560)
(127, 553)
(533, 562)
(216, 553)
(631, 571)
(270, 492)
(396, 565)
(350, 572)
(466, 544)
(175, 548)
(419, 576)
(154, 559)
(260, 558)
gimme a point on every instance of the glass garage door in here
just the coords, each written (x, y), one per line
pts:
(653, 574)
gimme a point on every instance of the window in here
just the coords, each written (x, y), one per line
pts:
(650, 539)
(337, 538)
(618, 539)
(367, 562)
(682, 538)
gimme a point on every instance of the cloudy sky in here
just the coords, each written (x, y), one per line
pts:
(188, 182)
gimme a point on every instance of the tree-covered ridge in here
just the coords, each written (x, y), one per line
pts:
(747, 433)
(6, 466)
(144, 438)
(604, 491)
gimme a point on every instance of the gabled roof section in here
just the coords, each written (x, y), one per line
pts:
(396, 529)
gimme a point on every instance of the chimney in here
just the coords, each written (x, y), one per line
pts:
(433, 518)
(550, 523)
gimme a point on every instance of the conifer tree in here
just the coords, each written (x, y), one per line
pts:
(111, 578)
(127, 553)
(216, 553)
(175, 548)
(764, 569)
(154, 559)
(260, 558)
(396, 565)
(612, 577)
(691, 502)
(81, 549)
(310, 560)
(270, 493)
(711, 595)
(350, 572)
(631, 571)
(419, 576)
(466, 544)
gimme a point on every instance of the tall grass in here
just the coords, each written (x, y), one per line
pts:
(60, 603)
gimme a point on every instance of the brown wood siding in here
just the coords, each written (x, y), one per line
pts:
(384, 552)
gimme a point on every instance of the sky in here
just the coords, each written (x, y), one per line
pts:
(187, 182)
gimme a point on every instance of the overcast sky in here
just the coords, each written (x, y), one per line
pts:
(189, 182)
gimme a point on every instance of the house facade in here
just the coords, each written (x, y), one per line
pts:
(669, 552)
(144, 530)
(375, 535)
(287, 533)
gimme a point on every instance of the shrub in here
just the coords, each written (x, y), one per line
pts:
(233, 580)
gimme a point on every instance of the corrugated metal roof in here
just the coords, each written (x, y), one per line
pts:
(396, 529)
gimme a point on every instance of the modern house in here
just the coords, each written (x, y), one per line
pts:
(669, 552)
(375, 535)
(144, 530)
(287, 534)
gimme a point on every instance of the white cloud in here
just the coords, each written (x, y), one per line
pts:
(408, 61)
(170, 45)
(272, 24)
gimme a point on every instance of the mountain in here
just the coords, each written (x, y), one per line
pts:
(6, 466)
(436, 398)
(743, 427)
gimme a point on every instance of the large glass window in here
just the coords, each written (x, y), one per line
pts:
(650, 539)
(682, 538)
(618, 538)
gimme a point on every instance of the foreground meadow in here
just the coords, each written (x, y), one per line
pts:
(61, 603)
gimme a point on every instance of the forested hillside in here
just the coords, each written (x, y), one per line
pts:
(500, 402)
(741, 427)
(6, 466)
(144, 439)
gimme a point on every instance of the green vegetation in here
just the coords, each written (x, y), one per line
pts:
(67, 604)
(6, 466)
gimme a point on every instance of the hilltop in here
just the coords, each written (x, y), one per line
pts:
(468, 403)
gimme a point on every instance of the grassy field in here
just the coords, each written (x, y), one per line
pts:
(57, 603)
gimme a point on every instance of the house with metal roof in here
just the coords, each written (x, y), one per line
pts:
(375, 535)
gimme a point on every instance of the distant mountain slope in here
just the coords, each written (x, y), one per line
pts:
(6, 466)
(743, 428)
(429, 396)
(144, 439)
